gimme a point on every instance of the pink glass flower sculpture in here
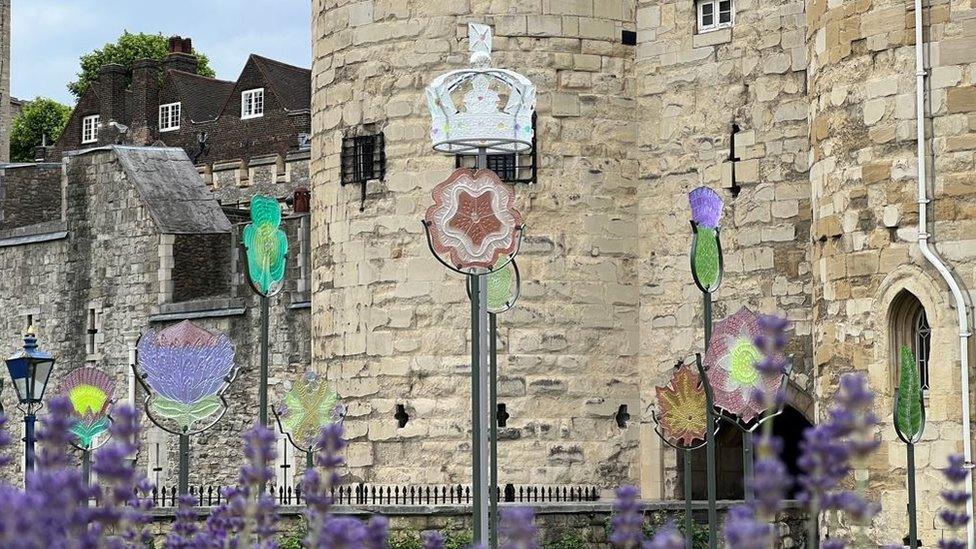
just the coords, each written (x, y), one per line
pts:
(681, 408)
(187, 368)
(731, 361)
(473, 219)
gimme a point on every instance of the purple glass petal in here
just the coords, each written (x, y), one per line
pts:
(706, 207)
(185, 363)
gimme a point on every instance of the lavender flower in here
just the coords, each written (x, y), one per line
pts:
(318, 487)
(954, 514)
(433, 540)
(744, 530)
(627, 522)
(517, 529)
(377, 530)
(185, 526)
(770, 479)
(666, 538)
(343, 533)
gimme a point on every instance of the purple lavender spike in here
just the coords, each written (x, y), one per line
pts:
(706, 207)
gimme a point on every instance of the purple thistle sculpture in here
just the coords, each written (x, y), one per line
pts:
(186, 368)
(706, 207)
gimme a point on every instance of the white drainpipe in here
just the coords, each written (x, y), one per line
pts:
(932, 257)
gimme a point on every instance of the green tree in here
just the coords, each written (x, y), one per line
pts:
(130, 47)
(40, 117)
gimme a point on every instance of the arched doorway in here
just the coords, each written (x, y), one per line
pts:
(788, 426)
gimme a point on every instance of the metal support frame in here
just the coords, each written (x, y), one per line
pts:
(184, 472)
(912, 518)
(263, 391)
(29, 439)
(710, 431)
(479, 395)
(689, 519)
(493, 435)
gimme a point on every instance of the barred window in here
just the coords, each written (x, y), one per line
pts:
(363, 159)
(511, 168)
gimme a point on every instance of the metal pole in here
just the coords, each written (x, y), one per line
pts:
(689, 522)
(710, 439)
(912, 522)
(747, 466)
(29, 445)
(86, 466)
(263, 394)
(493, 414)
(479, 395)
(309, 463)
(184, 473)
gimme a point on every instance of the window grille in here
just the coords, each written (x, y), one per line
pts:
(169, 117)
(89, 128)
(252, 103)
(363, 159)
(715, 14)
(922, 338)
(511, 168)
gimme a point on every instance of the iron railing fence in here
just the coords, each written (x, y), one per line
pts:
(373, 494)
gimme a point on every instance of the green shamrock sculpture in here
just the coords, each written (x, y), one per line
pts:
(266, 245)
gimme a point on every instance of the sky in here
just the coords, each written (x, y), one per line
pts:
(50, 35)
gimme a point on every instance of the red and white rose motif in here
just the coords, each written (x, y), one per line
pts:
(473, 219)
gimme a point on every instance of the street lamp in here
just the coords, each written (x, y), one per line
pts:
(30, 370)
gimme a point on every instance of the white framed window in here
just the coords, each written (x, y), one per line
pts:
(252, 103)
(89, 128)
(715, 14)
(169, 117)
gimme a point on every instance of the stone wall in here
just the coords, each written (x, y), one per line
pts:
(863, 180)
(107, 261)
(29, 194)
(391, 325)
(693, 87)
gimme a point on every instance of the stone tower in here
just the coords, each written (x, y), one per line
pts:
(5, 80)
(391, 324)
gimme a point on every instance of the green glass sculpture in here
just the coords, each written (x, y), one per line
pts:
(266, 245)
(908, 405)
(501, 282)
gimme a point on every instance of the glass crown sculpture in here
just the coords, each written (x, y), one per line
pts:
(481, 125)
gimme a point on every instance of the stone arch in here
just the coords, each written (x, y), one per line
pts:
(933, 297)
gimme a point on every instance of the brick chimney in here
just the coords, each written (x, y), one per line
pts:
(145, 101)
(180, 56)
(111, 96)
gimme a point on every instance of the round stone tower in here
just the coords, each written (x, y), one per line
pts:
(391, 327)
(873, 290)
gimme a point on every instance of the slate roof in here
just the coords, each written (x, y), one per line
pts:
(202, 97)
(174, 193)
(292, 85)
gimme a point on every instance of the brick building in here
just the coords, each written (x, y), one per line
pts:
(137, 224)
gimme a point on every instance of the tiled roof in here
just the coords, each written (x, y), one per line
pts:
(202, 97)
(292, 85)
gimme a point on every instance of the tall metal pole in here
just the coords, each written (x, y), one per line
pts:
(912, 521)
(29, 438)
(309, 463)
(493, 417)
(86, 467)
(710, 442)
(263, 394)
(479, 395)
(689, 521)
(747, 466)
(184, 473)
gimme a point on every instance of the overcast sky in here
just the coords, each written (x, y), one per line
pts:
(50, 35)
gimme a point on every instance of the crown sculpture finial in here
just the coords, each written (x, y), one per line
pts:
(479, 44)
(479, 124)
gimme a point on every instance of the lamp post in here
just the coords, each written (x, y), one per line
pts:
(30, 370)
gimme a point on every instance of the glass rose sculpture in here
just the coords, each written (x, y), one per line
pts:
(186, 370)
(89, 391)
(706, 250)
(473, 219)
(306, 408)
(681, 408)
(266, 245)
(731, 361)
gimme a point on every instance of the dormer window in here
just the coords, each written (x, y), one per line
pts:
(252, 103)
(169, 117)
(89, 129)
(714, 14)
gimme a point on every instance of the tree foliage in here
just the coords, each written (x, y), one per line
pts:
(38, 118)
(130, 47)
